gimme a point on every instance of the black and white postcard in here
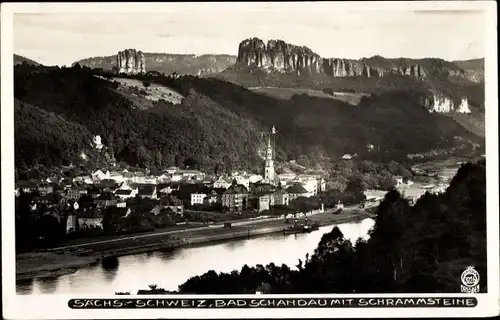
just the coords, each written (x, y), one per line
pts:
(249, 160)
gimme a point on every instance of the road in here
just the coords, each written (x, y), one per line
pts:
(319, 217)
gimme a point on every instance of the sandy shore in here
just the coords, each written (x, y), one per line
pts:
(69, 259)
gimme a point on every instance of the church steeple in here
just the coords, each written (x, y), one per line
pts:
(269, 151)
(269, 172)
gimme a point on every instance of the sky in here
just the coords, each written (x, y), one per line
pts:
(61, 38)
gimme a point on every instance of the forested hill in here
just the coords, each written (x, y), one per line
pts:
(392, 120)
(412, 249)
(219, 125)
(20, 60)
(85, 105)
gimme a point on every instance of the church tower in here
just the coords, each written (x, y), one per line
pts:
(269, 172)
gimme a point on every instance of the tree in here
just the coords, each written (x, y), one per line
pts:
(418, 249)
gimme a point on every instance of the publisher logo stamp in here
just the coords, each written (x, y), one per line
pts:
(470, 280)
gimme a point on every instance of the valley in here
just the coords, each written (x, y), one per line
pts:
(287, 93)
(248, 149)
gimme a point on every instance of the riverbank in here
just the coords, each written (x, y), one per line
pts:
(69, 259)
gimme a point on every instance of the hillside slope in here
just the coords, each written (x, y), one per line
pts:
(169, 63)
(393, 121)
(474, 68)
(20, 59)
(198, 128)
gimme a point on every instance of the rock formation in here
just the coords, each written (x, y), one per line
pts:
(280, 56)
(443, 104)
(464, 106)
(130, 61)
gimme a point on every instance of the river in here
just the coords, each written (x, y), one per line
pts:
(169, 269)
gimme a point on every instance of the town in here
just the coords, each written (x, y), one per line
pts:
(123, 201)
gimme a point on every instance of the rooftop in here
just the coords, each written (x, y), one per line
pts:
(123, 192)
(296, 189)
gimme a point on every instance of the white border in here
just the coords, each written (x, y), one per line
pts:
(40, 307)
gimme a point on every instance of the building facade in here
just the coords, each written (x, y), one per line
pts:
(236, 198)
(197, 198)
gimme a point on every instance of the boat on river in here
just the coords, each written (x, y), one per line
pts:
(300, 228)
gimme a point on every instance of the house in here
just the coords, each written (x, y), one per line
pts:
(266, 201)
(173, 203)
(197, 198)
(28, 187)
(99, 175)
(296, 191)
(121, 204)
(150, 180)
(126, 193)
(190, 173)
(254, 178)
(75, 193)
(117, 177)
(105, 200)
(65, 183)
(167, 189)
(321, 185)
(137, 177)
(312, 183)
(242, 180)
(164, 178)
(211, 199)
(147, 191)
(90, 219)
(53, 180)
(71, 223)
(236, 198)
(47, 200)
(156, 210)
(107, 185)
(281, 197)
(286, 178)
(172, 170)
(222, 182)
(176, 177)
(46, 188)
(83, 179)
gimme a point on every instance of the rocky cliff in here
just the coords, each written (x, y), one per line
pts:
(438, 102)
(280, 56)
(169, 63)
(130, 61)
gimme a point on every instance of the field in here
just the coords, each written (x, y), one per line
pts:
(144, 96)
(474, 122)
(288, 93)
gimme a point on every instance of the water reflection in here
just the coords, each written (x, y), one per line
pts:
(231, 246)
(47, 285)
(110, 268)
(170, 268)
(24, 286)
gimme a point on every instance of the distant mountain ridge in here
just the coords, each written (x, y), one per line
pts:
(474, 68)
(282, 57)
(167, 63)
